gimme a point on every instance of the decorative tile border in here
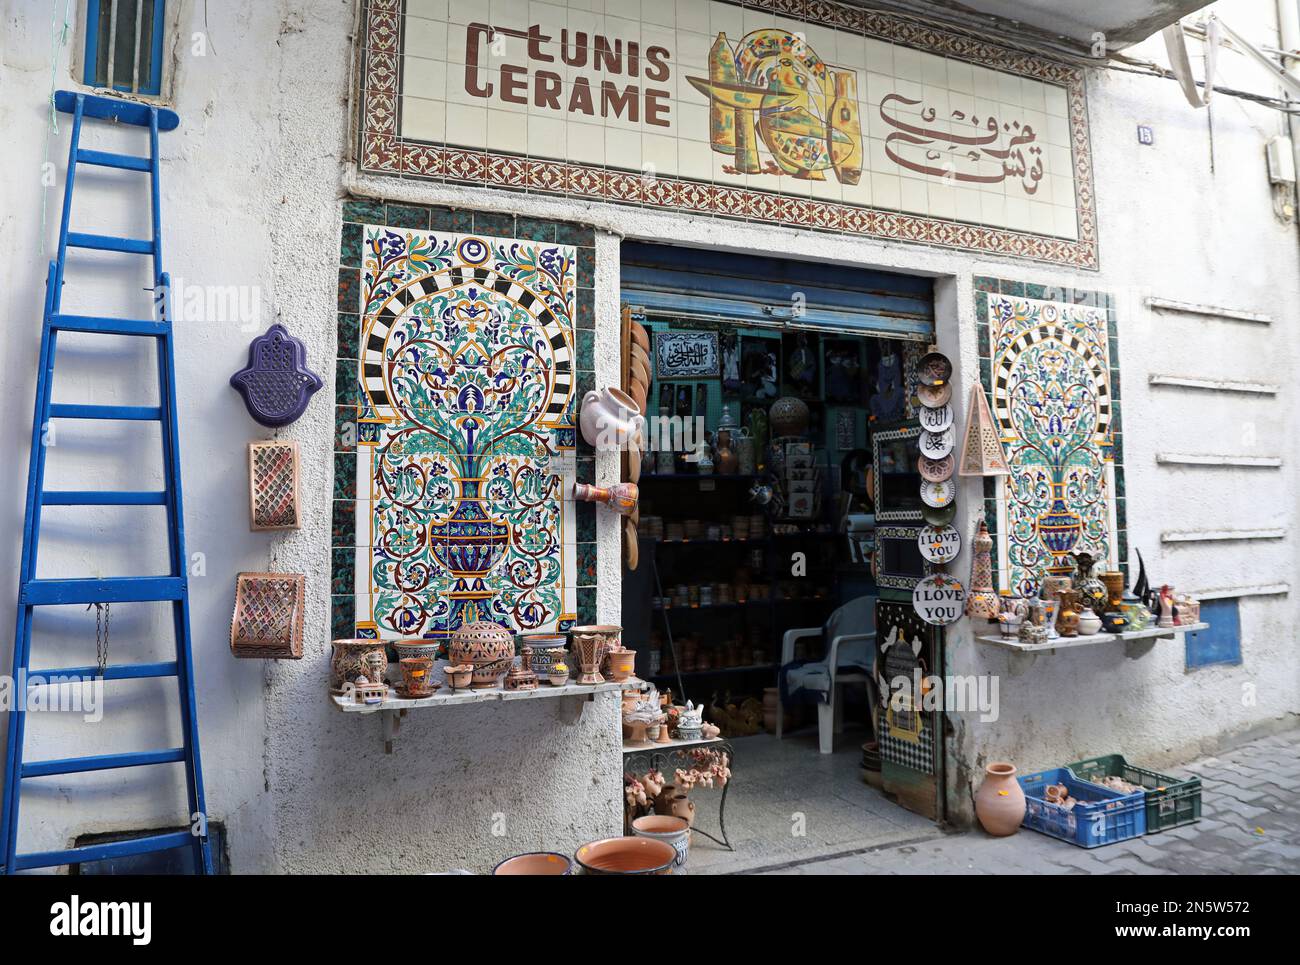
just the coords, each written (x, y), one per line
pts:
(1024, 300)
(352, 427)
(383, 151)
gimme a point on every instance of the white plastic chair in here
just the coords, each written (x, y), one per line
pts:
(848, 660)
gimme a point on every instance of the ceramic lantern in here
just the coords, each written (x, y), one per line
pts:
(268, 615)
(982, 601)
(273, 485)
(789, 416)
(486, 645)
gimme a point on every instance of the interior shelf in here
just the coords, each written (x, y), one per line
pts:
(1065, 643)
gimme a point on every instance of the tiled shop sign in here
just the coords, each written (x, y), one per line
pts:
(797, 111)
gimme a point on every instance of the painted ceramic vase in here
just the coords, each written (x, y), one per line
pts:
(621, 664)
(1089, 623)
(486, 645)
(609, 418)
(351, 659)
(1113, 580)
(1000, 803)
(548, 650)
(589, 648)
(621, 497)
(670, 828)
(788, 416)
(417, 676)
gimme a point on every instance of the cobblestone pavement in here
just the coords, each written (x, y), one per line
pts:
(1250, 824)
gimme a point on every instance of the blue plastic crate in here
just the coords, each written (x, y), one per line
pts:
(1100, 817)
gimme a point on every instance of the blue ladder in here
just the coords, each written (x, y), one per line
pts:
(34, 592)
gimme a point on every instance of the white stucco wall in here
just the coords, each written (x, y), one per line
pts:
(252, 188)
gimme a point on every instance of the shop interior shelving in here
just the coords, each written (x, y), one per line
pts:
(1069, 643)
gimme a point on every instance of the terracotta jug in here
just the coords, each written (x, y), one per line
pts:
(1000, 803)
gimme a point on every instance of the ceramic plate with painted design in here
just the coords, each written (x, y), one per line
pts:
(936, 445)
(937, 419)
(934, 396)
(939, 599)
(937, 495)
(939, 515)
(936, 470)
(939, 544)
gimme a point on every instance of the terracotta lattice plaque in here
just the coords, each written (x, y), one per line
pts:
(268, 615)
(273, 485)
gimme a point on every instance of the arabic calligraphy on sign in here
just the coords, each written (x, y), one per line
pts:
(962, 148)
(773, 87)
(686, 354)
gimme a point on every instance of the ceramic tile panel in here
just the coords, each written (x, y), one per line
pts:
(1048, 365)
(464, 455)
(805, 112)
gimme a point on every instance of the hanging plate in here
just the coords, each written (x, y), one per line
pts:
(937, 419)
(939, 544)
(934, 396)
(938, 495)
(941, 515)
(939, 599)
(934, 369)
(936, 470)
(936, 445)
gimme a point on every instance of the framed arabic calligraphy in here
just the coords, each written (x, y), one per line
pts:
(686, 355)
(817, 114)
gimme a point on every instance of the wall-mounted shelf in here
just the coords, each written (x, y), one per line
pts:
(1066, 643)
(393, 708)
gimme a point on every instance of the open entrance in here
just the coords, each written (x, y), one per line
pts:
(777, 546)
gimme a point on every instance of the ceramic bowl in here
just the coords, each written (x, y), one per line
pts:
(535, 863)
(939, 515)
(934, 396)
(416, 648)
(627, 856)
(936, 470)
(934, 369)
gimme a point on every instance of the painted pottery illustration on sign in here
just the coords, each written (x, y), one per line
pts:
(468, 361)
(1053, 406)
(814, 113)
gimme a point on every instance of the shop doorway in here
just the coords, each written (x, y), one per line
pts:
(779, 509)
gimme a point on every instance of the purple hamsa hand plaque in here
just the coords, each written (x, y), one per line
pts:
(276, 385)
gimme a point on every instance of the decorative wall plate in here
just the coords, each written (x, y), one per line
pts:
(934, 369)
(273, 485)
(936, 470)
(934, 396)
(938, 495)
(939, 599)
(268, 615)
(939, 544)
(936, 445)
(940, 515)
(276, 384)
(936, 419)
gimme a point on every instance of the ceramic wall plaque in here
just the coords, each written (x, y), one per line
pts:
(939, 599)
(276, 384)
(686, 355)
(935, 420)
(1053, 410)
(937, 495)
(935, 470)
(463, 509)
(802, 112)
(936, 445)
(273, 485)
(268, 615)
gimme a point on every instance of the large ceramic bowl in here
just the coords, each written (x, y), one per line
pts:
(486, 645)
(535, 863)
(627, 856)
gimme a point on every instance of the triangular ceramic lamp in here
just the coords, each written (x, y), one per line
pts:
(981, 450)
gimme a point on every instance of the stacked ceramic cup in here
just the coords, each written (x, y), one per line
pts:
(938, 598)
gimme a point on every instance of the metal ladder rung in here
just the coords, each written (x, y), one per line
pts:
(119, 589)
(126, 413)
(107, 849)
(129, 246)
(107, 159)
(55, 497)
(103, 762)
(108, 326)
(126, 671)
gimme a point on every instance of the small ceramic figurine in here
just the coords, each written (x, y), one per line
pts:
(1166, 607)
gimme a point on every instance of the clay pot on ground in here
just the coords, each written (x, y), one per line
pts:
(486, 645)
(1000, 803)
(535, 863)
(350, 660)
(627, 856)
(671, 829)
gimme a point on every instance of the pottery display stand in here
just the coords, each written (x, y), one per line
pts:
(394, 708)
(1137, 641)
(639, 758)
